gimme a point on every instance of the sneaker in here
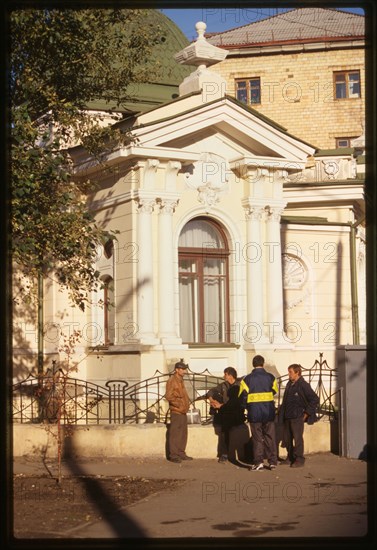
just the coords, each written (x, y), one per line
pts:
(257, 467)
(272, 466)
(186, 457)
(223, 459)
(176, 460)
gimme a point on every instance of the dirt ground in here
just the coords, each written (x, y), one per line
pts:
(44, 508)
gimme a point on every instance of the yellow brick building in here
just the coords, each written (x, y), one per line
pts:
(304, 69)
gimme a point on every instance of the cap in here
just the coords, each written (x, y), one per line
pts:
(181, 365)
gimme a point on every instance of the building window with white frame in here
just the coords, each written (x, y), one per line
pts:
(203, 283)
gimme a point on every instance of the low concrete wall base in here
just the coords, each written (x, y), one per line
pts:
(138, 440)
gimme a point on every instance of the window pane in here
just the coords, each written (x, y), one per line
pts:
(213, 266)
(241, 91)
(187, 265)
(241, 84)
(214, 313)
(342, 143)
(241, 95)
(200, 234)
(354, 77)
(354, 89)
(188, 308)
(254, 96)
(340, 90)
(255, 90)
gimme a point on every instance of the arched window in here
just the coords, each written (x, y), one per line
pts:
(203, 282)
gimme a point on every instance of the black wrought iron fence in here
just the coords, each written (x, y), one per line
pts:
(57, 397)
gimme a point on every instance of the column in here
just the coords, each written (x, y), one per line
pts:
(254, 333)
(166, 305)
(275, 314)
(144, 290)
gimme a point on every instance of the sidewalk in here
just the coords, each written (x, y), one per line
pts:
(326, 498)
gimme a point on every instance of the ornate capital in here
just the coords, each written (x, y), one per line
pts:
(254, 213)
(274, 213)
(168, 206)
(146, 206)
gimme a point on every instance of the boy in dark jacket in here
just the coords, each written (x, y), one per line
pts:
(257, 391)
(229, 415)
(298, 406)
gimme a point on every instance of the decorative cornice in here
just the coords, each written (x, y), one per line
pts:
(133, 152)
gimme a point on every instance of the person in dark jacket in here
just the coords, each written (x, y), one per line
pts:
(229, 413)
(298, 406)
(218, 397)
(257, 390)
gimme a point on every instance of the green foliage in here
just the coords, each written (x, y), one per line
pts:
(60, 61)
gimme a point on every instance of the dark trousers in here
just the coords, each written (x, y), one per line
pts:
(222, 440)
(264, 442)
(177, 435)
(294, 438)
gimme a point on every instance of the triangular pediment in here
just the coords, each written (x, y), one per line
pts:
(226, 137)
(237, 126)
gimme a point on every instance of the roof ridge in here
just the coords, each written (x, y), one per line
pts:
(213, 34)
(254, 22)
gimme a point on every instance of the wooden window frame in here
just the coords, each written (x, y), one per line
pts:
(346, 75)
(248, 89)
(199, 255)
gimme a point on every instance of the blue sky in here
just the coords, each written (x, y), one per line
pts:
(222, 19)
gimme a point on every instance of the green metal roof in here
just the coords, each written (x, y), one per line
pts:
(164, 88)
(334, 152)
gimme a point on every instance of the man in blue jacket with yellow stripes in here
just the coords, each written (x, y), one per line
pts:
(257, 391)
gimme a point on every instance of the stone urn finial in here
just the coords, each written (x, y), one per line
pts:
(200, 52)
(200, 29)
(202, 55)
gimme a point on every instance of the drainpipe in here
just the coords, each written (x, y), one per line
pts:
(354, 297)
(40, 325)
